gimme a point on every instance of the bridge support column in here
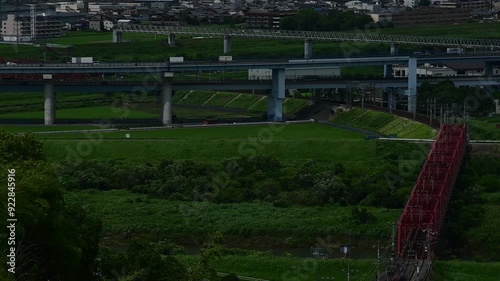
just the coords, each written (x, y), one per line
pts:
(412, 85)
(275, 109)
(171, 39)
(117, 36)
(391, 103)
(166, 98)
(488, 69)
(308, 48)
(227, 44)
(394, 49)
(388, 67)
(50, 100)
(387, 71)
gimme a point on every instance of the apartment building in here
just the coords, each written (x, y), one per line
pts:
(475, 5)
(265, 19)
(423, 16)
(19, 28)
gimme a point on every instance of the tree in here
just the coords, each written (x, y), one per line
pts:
(210, 251)
(18, 148)
(288, 23)
(54, 241)
(145, 263)
(307, 19)
(424, 3)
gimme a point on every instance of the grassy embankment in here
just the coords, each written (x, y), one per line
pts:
(81, 106)
(384, 123)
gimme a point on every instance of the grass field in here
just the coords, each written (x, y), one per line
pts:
(289, 268)
(99, 112)
(44, 128)
(466, 30)
(466, 271)
(485, 128)
(309, 131)
(384, 123)
(219, 143)
(21, 99)
(283, 268)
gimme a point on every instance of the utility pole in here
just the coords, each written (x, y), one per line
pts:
(441, 115)
(393, 241)
(378, 257)
(348, 272)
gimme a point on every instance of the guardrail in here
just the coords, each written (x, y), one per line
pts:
(247, 278)
(170, 127)
(72, 131)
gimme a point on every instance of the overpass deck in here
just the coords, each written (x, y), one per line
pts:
(157, 67)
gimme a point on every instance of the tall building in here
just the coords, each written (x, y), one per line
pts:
(425, 15)
(266, 19)
(20, 28)
(477, 5)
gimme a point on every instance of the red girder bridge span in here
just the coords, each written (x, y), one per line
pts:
(423, 215)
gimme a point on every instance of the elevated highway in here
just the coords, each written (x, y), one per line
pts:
(278, 84)
(11, 86)
(158, 67)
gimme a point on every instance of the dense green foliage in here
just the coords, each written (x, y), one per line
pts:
(145, 261)
(472, 227)
(245, 179)
(308, 19)
(126, 214)
(453, 98)
(54, 240)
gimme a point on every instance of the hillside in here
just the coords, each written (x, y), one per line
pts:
(384, 124)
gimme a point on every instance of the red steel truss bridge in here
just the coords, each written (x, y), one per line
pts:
(423, 215)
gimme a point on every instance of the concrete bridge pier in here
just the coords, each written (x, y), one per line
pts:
(394, 49)
(227, 44)
(308, 48)
(166, 98)
(392, 99)
(275, 106)
(50, 100)
(388, 67)
(412, 85)
(117, 36)
(171, 39)
(488, 69)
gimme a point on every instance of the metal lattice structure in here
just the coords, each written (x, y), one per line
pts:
(33, 21)
(360, 37)
(424, 212)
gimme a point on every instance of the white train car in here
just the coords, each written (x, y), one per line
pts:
(295, 73)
